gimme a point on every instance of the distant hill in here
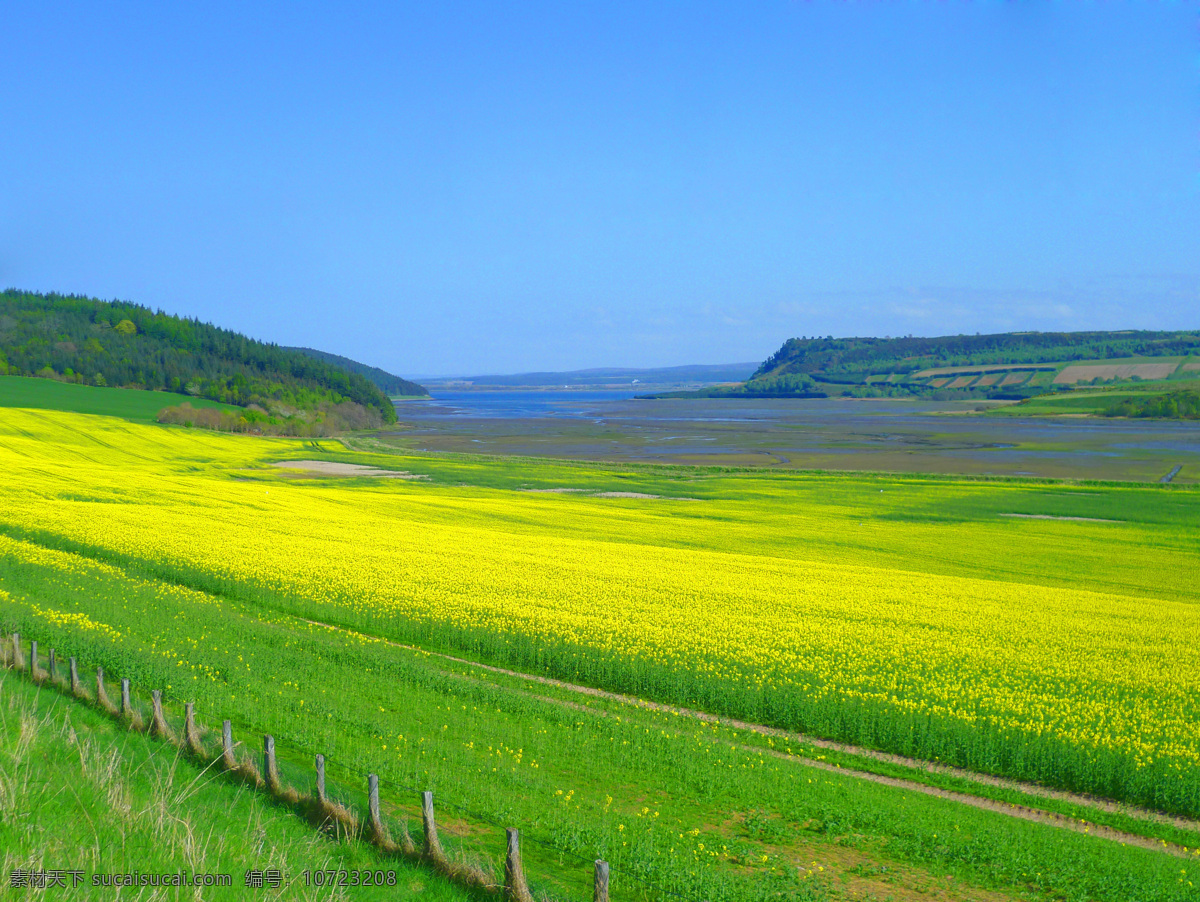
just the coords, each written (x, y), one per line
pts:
(387, 383)
(607, 377)
(114, 343)
(1010, 365)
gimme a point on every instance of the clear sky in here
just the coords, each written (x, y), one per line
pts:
(442, 188)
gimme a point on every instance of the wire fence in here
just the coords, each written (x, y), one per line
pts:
(527, 838)
(337, 806)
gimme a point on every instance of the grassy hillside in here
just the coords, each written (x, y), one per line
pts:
(1009, 365)
(392, 385)
(80, 793)
(117, 344)
(50, 394)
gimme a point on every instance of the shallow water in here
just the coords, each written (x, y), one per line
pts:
(512, 404)
(920, 436)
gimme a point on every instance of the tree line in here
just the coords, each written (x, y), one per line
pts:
(1178, 405)
(389, 383)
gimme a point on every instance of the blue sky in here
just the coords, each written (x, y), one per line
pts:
(443, 188)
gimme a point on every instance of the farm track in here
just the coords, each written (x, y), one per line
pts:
(1009, 809)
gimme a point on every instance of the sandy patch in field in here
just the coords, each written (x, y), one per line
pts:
(1190, 367)
(565, 491)
(1014, 378)
(988, 380)
(1049, 517)
(1074, 374)
(640, 495)
(961, 382)
(334, 468)
(938, 383)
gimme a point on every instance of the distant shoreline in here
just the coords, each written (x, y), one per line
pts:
(602, 387)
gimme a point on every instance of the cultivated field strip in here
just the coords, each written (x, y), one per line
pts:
(1026, 812)
(748, 754)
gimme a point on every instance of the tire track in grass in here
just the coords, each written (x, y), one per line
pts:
(1009, 809)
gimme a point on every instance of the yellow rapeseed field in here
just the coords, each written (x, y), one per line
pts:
(613, 592)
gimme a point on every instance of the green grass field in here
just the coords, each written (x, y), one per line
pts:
(1092, 400)
(129, 404)
(80, 794)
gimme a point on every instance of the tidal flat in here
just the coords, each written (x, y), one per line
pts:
(952, 437)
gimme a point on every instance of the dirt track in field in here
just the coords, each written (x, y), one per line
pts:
(1018, 811)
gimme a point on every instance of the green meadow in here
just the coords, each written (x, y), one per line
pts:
(50, 394)
(81, 794)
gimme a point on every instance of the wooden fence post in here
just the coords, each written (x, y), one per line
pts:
(373, 809)
(321, 779)
(600, 890)
(126, 708)
(73, 666)
(190, 735)
(33, 658)
(515, 887)
(101, 694)
(433, 846)
(50, 664)
(158, 726)
(270, 772)
(227, 758)
(18, 661)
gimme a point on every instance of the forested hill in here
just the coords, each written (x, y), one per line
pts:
(78, 339)
(845, 356)
(1010, 365)
(387, 382)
